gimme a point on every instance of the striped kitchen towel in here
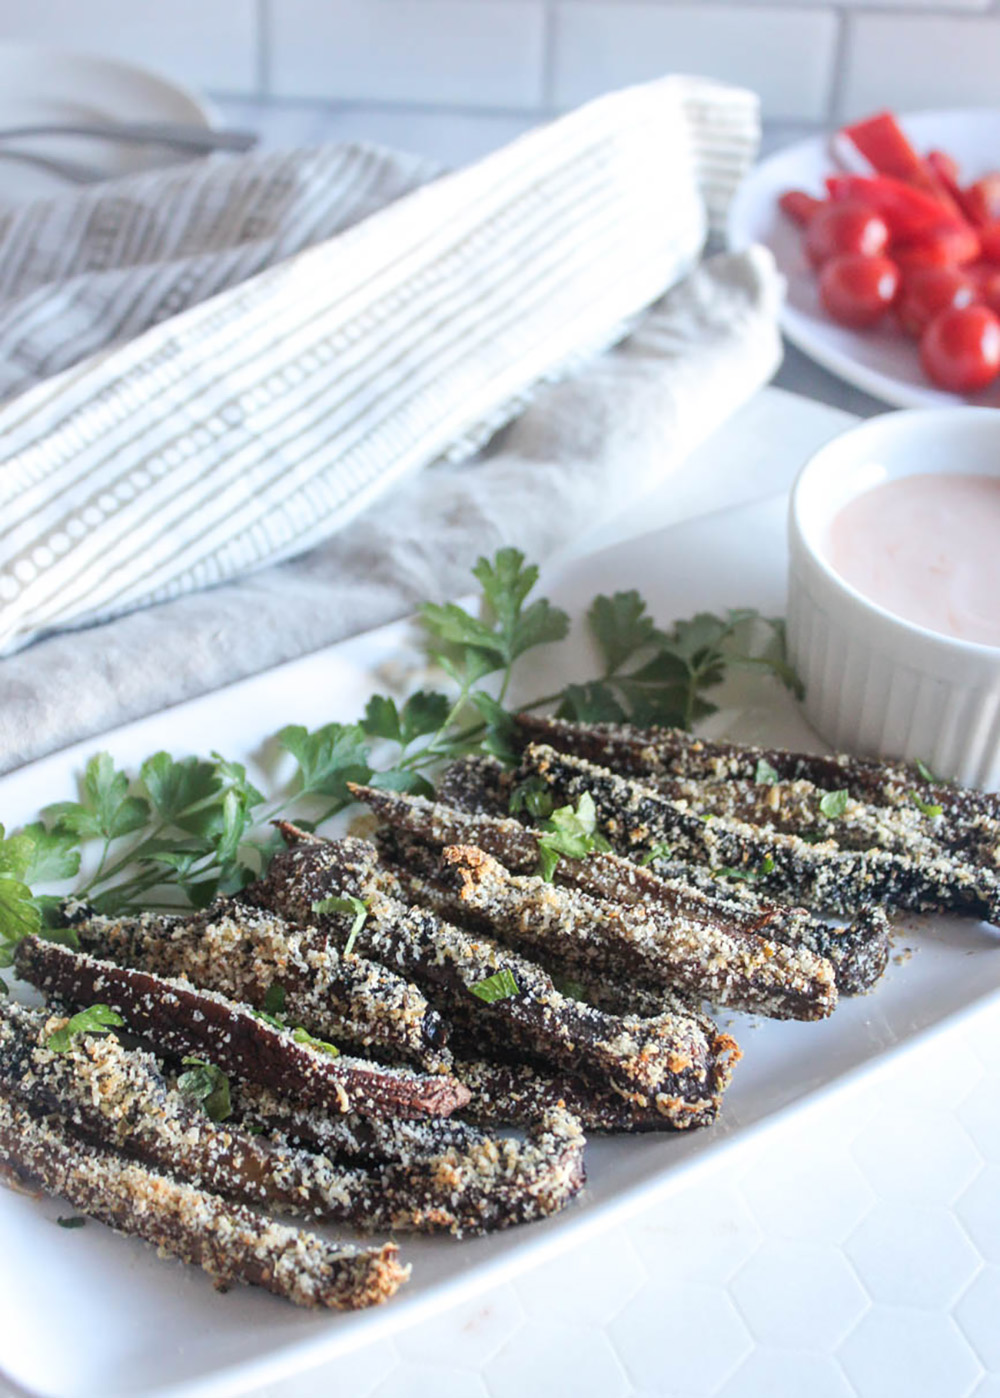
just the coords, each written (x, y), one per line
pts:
(213, 369)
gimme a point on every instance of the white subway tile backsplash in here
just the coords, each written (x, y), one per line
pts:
(206, 43)
(477, 53)
(920, 61)
(786, 55)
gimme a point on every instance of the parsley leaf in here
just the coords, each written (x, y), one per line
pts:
(928, 808)
(402, 779)
(302, 1036)
(764, 773)
(657, 851)
(746, 875)
(621, 626)
(593, 702)
(206, 1084)
(54, 854)
(573, 990)
(381, 718)
(478, 646)
(925, 771)
(19, 917)
(274, 1000)
(571, 834)
(532, 796)
(105, 809)
(348, 904)
(500, 986)
(328, 758)
(97, 1019)
(833, 804)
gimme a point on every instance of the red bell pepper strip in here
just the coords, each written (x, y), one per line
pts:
(909, 212)
(881, 141)
(799, 206)
(982, 200)
(884, 144)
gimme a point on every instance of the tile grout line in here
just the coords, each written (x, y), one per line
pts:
(838, 76)
(549, 40)
(262, 13)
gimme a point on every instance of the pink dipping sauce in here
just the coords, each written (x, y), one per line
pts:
(926, 548)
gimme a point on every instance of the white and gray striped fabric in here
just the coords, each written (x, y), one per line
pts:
(216, 368)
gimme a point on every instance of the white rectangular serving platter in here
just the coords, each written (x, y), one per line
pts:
(86, 1314)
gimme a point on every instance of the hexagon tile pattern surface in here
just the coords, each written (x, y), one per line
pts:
(851, 1252)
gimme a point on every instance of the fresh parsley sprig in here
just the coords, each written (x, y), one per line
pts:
(97, 1019)
(654, 677)
(184, 830)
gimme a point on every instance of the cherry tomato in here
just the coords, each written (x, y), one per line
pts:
(945, 166)
(960, 349)
(799, 206)
(988, 290)
(945, 247)
(927, 292)
(989, 239)
(845, 227)
(982, 199)
(857, 290)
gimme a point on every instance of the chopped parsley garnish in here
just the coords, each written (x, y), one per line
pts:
(925, 771)
(302, 1036)
(833, 804)
(746, 875)
(500, 986)
(657, 851)
(533, 797)
(928, 808)
(347, 904)
(207, 1085)
(273, 1013)
(274, 1000)
(570, 834)
(98, 1019)
(764, 773)
(573, 990)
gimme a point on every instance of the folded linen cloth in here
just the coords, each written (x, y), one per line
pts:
(256, 423)
(605, 434)
(253, 424)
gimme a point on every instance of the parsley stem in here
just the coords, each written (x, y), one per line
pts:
(129, 857)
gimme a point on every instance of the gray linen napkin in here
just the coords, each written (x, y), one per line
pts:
(606, 434)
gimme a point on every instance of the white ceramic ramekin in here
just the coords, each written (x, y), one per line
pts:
(875, 683)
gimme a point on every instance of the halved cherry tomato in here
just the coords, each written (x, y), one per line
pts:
(945, 247)
(909, 212)
(848, 226)
(800, 206)
(857, 290)
(988, 290)
(960, 349)
(989, 242)
(944, 166)
(982, 199)
(927, 292)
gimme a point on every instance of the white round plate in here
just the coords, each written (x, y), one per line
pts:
(39, 84)
(881, 362)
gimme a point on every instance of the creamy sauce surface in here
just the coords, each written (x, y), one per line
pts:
(926, 548)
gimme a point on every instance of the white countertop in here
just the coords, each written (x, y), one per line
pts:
(856, 1248)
